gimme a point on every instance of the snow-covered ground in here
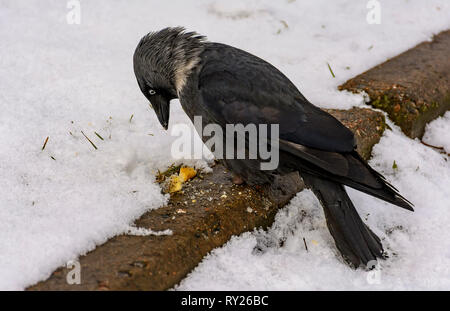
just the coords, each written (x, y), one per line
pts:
(58, 79)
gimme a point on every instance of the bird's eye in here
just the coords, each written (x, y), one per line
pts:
(152, 92)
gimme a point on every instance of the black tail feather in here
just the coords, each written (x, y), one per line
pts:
(388, 193)
(356, 242)
(344, 168)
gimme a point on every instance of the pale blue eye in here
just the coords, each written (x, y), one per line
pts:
(152, 92)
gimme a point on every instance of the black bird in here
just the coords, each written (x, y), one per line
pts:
(226, 85)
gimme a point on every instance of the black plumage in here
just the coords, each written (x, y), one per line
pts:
(226, 85)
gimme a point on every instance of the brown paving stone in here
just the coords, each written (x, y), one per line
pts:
(413, 87)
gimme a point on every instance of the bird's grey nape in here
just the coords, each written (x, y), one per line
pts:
(170, 53)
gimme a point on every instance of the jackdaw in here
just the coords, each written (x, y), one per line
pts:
(226, 85)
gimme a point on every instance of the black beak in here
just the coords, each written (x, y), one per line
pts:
(162, 109)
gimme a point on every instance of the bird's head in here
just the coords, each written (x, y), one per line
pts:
(162, 62)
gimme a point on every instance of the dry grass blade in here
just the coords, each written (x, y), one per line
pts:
(441, 149)
(93, 145)
(331, 70)
(45, 143)
(98, 135)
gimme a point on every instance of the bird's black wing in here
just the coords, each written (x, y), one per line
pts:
(238, 87)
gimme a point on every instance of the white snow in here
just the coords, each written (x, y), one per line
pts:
(437, 132)
(133, 230)
(53, 73)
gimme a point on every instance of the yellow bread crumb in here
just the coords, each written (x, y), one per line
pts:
(187, 173)
(175, 184)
